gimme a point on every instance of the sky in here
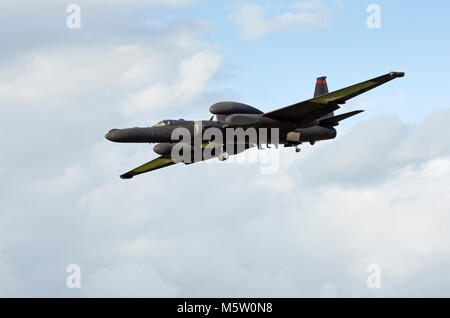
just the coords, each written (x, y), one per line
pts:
(378, 194)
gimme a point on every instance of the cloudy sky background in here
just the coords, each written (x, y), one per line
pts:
(376, 195)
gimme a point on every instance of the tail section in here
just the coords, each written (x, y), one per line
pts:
(322, 89)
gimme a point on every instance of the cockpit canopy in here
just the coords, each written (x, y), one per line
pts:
(166, 122)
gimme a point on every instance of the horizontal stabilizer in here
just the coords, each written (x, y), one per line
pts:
(334, 121)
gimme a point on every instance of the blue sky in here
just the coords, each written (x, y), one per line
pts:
(378, 194)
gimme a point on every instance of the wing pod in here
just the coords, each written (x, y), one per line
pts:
(223, 109)
(163, 149)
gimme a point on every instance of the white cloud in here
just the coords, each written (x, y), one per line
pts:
(47, 77)
(430, 139)
(255, 22)
(128, 280)
(194, 74)
(9, 283)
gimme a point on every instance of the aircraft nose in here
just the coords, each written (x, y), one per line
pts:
(130, 135)
(111, 135)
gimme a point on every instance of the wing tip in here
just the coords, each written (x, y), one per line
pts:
(126, 177)
(396, 74)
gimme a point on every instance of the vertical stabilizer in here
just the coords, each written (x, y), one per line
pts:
(321, 87)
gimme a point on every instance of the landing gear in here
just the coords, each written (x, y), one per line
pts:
(297, 148)
(313, 142)
(224, 156)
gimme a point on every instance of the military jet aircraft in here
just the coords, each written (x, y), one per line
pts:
(308, 121)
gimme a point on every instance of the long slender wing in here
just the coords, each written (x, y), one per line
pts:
(315, 108)
(158, 163)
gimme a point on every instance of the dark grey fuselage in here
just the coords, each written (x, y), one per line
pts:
(288, 133)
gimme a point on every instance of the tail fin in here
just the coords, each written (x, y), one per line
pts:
(322, 89)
